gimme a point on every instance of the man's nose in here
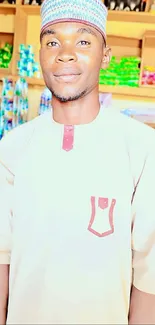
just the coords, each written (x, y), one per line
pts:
(66, 55)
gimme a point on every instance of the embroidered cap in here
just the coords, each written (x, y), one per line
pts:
(89, 12)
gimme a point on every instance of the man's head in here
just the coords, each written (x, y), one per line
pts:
(73, 46)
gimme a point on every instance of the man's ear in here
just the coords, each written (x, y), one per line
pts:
(106, 57)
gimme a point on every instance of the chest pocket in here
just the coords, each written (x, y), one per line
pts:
(102, 214)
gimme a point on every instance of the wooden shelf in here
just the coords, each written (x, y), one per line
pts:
(7, 9)
(7, 18)
(7, 5)
(31, 9)
(143, 92)
(131, 16)
(30, 81)
(4, 73)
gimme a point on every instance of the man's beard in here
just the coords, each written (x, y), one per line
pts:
(63, 99)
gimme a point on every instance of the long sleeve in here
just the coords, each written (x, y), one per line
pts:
(12, 146)
(6, 197)
(143, 233)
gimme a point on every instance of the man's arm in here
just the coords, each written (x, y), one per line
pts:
(142, 303)
(4, 290)
(11, 147)
(6, 198)
(142, 308)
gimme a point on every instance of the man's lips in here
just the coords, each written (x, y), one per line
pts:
(67, 76)
(67, 70)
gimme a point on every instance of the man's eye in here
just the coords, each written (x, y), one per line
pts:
(84, 43)
(52, 44)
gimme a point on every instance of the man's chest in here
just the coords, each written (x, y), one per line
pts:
(84, 192)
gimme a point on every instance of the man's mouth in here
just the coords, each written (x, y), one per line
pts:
(67, 77)
(67, 74)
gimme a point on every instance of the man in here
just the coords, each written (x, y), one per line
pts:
(77, 223)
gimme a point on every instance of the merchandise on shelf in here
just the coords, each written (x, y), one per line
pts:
(45, 101)
(33, 2)
(123, 72)
(20, 103)
(8, 1)
(126, 5)
(5, 55)
(148, 76)
(6, 108)
(27, 66)
(14, 105)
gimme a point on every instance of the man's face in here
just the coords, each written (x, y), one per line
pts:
(71, 56)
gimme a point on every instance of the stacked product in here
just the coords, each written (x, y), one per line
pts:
(20, 102)
(27, 66)
(5, 55)
(123, 72)
(45, 101)
(148, 77)
(14, 105)
(32, 2)
(8, 1)
(6, 108)
(137, 5)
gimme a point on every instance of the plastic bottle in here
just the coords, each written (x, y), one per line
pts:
(45, 101)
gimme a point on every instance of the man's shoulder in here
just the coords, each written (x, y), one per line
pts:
(137, 139)
(135, 132)
(138, 133)
(16, 141)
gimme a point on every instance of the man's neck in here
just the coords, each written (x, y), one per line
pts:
(81, 111)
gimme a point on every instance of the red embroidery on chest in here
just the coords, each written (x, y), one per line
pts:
(68, 138)
(102, 217)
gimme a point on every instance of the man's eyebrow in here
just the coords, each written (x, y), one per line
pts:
(86, 30)
(48, 32)
(81, 30)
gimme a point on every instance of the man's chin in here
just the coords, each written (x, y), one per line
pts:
(64, 97)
